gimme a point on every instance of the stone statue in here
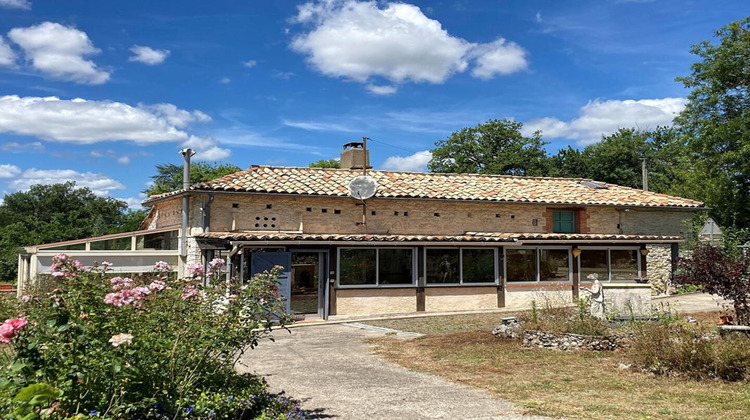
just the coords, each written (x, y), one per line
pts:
(597, 297)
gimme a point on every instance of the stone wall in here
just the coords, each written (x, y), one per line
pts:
(442, 299)
(567, 341)
(627, 299)
(659, 269)
(264, 212)
(375, 301)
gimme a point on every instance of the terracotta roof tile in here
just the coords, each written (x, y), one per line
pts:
(474, 237)
(475, 187)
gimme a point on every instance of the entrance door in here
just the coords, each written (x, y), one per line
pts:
(308, 277)
(265, 261)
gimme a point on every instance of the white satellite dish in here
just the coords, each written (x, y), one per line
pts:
(363, 187)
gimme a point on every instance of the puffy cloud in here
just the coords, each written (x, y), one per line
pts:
(16, 4)
(148, 55)
(416, 162)
(123, 160)
(85, 122)
(99, 184)
(206, 148)
(7, 56)
(9, 171)
(249, 63)
(598, 118)
(58, 52)
(498, 58)
(360, 40)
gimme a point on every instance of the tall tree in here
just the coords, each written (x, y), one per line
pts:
(52, 213)
(169, 176)
(494, 147)
(716, 122)
(325, 163)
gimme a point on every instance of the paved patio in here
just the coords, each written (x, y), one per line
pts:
(332, 371)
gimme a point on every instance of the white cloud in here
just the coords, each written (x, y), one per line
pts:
(319, 126)
(7, 56)
(9, 171)
(134, 203)
(123, 160)
(99, 184)
(16, 4)
(598, 118)
(206, 148)
(360, 40)
(148, 55)
(249, 63)
(225, 80)
(498, 58)
(416, 162)
(58, 52)
(15, 147)
(85, 122)
(382, 89)
(538, 17)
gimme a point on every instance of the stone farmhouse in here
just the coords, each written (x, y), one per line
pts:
(423, 242)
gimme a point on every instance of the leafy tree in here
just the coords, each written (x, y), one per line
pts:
(716, 122)
(720, 273)
(325, 163)
(169, 176)
(494, 147)
(617, 159)
(52, 213)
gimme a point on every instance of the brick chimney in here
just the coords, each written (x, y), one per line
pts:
(355, 156)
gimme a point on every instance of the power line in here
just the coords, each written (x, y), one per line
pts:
(393, 146)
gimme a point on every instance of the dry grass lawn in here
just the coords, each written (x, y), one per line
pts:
(580, 384)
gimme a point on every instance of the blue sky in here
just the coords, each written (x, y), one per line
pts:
(100, 92)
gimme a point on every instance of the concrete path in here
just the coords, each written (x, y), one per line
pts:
(332, 371)
(693, 302)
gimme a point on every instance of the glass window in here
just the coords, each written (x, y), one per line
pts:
(594, 261)
(442, 265)
(158, 241)
(395, 266)
(69, 247)
(624, 264)
(357, 266)
(554, 265)
(478, 265)
(116, 244)
(564, 221)
(521, 264)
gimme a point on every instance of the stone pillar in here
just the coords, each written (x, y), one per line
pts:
(659, 268)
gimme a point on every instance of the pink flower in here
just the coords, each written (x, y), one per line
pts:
(119, 283)
(157, 285)
(26, 298)
(10, 328)
(195, 270)
(217, 264)
(190, 293)
(162, 266)
(106, 264)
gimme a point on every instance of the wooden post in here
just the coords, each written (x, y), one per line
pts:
(576, 277)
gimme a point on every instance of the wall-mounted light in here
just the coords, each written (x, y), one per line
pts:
(644, 252)
(576, 252)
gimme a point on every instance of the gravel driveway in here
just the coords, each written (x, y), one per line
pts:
(331, 370)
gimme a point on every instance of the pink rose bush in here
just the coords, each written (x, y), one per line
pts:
(160, 345)
(10, 328)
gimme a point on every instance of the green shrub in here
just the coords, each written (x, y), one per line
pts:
(557, 318)
(678, 348)
(150, 347)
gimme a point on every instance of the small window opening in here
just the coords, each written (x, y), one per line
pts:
(309, 209)
(436, 214)
(337, 212)
(235, 205)
(373, 213)
(268, 206)
(406, 213)
(324, 210)
(395, 213)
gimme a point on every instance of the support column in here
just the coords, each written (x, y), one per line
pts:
(576, 277)
(420, 280)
